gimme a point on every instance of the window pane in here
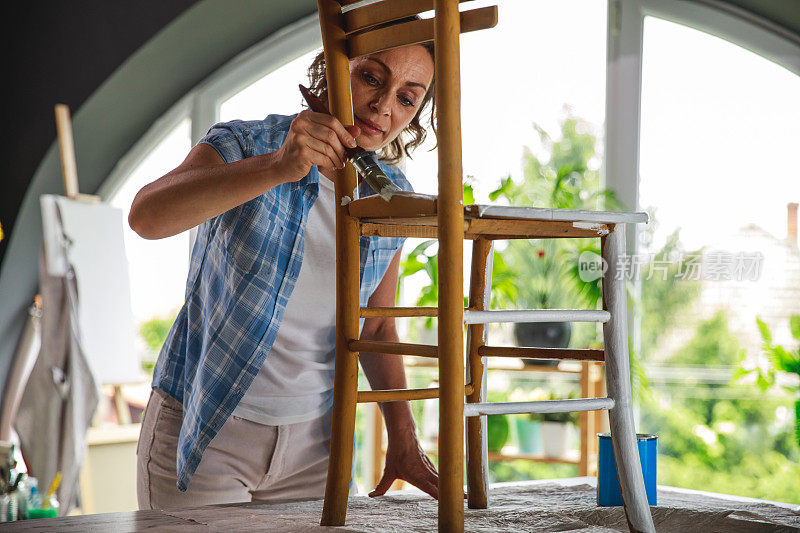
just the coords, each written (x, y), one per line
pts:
(541, 59)
(720, 127)
(158, 268)
(275, 93)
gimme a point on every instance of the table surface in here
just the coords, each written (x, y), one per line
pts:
(544, 505)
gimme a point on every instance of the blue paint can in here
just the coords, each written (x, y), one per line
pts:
(608, 491)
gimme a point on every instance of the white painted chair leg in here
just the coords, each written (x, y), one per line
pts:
(623, 432)
(478, 486)
(477, 443)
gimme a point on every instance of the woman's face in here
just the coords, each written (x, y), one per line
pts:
(387, 89)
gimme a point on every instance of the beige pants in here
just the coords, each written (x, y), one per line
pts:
(246, 461)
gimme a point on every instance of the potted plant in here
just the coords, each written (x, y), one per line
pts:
(556, 430)
(528, 427)
(498, 429)
(545, 273)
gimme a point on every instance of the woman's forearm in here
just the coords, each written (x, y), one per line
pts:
(386, 371)
(199, 189)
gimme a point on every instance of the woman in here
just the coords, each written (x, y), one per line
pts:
(240, 408)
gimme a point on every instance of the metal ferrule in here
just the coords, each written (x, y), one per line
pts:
(368, 168)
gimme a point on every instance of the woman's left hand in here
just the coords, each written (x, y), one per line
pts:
(406, 460)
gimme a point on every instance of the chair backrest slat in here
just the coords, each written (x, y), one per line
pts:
(415, 31)
(365, 17)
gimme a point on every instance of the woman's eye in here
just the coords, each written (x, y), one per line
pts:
(369, 78)
(406, 102)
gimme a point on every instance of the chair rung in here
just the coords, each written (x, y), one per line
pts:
(536, 315)
(368, 312)
(398, 395)
(542, 353)
(495, 316)
(399, 348)
(546, 406)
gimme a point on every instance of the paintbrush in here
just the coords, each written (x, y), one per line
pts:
(361, 159)
(52, 490)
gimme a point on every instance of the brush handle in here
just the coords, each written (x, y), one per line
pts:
(318, 106)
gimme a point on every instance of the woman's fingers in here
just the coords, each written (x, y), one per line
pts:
(355, 131)
(342, 135)
(384, 485)
(430, 488)
(329, 157)
(327, 136)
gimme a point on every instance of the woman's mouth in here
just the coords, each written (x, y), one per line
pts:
(370, 128)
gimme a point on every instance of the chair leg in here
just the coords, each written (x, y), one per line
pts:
(623, 432)
(450, 213)
(477, 450)
(345, 381)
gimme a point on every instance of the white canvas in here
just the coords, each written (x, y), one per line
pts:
(96, 250)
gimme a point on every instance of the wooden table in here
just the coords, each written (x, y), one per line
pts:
(543, 505)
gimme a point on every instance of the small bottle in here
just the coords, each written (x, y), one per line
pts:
(21, 496)
(34, 498)
(5, 501)
(13, 507)
(53, 504)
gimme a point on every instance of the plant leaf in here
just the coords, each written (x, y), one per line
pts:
(469, 195)
(766, 335)
(794, 326)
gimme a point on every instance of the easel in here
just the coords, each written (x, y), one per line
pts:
(69, 171)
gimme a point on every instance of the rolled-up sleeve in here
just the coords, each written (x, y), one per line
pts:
(230, 140)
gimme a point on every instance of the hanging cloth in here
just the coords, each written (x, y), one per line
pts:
(62, 394)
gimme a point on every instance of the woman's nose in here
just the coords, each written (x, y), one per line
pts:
(380, 104)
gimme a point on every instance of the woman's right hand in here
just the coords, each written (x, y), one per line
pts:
(314, 139)
(191, 193)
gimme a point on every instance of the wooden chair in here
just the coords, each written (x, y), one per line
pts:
(351, 32)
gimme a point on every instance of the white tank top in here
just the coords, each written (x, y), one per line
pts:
(295, 384)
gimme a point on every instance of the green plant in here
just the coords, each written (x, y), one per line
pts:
(536, 276)
(565, 179)
(154, 332)
(778, 359)
(716, 435)
(564, 418)
(665, 293)
(425, 258)
(497, 431)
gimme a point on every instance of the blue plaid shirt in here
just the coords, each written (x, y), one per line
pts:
(244, 265)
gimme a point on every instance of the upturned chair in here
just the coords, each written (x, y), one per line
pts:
(351, 31)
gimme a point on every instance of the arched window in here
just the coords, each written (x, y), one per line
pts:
(693, 109)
